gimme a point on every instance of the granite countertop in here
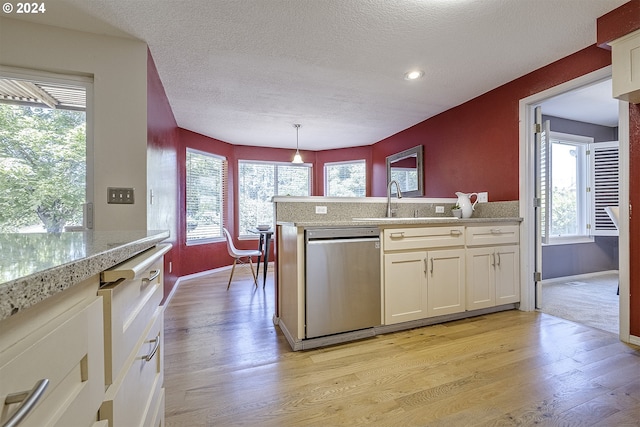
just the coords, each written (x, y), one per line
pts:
(384, 223)
(36, 266)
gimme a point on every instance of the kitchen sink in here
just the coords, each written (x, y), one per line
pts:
(398, 219)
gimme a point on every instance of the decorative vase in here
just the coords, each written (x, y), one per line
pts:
(464, 201)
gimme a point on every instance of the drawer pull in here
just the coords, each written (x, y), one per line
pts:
(456, 232)
(149, 356)
(154, 276)
(397, 235)
(496, 231)
(28, 399)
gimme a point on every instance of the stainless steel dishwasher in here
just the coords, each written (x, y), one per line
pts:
(342, 280)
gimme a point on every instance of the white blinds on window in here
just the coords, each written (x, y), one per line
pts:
(545, 180)
(604, 187)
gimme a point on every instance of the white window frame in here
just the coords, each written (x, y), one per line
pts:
(327, 189)
(588, 199)
(583, 181)
(87, 84)
(223, 178)
(243, 235)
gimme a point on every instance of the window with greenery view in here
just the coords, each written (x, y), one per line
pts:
(569, 208)
(259, 182)
(345, 179)
(205, 180)
(43, 168)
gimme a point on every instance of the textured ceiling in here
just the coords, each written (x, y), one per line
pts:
(244, 71)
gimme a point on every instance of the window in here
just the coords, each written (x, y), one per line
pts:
(345, 179)
(206, 180)
(45, 176)
(259, 182)
(582, 180)
(569, 208)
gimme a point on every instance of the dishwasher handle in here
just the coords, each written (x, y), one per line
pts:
(342, 240)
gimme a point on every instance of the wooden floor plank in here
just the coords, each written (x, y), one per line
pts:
(226, 364)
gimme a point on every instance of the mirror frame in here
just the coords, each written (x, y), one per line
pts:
(416, 151)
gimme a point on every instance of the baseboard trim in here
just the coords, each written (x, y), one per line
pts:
(195, 276)
(634, 340)
(577, 277)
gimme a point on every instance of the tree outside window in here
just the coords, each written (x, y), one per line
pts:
(205, 181)
(345, 179)
(259, 182)
(43, 168)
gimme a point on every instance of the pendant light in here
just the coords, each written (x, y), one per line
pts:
(297, 159)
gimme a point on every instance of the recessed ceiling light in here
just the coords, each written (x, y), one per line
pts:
(413, 75)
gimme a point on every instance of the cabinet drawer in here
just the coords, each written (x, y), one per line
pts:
(134, 396)
(129, 305)
(69, 352)
(493, 235)
(422, 238)
(155, 418)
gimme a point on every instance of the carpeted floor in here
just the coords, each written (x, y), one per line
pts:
(592, 301)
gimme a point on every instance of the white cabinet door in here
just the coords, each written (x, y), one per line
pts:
(405, 287)
(445, 282)
(492, 276)
(481, 290)
(507, 272)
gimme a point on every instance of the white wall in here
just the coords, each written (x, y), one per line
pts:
(119, 69)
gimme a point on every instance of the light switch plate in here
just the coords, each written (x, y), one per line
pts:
(439, 209)
(321, 209)
(483, 197)
(120, 196)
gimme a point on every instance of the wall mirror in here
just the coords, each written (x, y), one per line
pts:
(406, 168)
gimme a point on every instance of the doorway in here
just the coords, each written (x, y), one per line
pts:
(532, 283)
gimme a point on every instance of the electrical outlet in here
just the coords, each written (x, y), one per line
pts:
(120, 196)
(439, 209)
(321, 209)
(483, 197)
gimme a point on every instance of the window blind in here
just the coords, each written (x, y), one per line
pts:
(605, 188)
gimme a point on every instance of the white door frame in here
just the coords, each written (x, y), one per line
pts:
(526, 191)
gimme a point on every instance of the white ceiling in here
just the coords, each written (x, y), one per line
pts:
(244, 71)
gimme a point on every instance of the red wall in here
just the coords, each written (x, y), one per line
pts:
(162, 171)
(474, 146)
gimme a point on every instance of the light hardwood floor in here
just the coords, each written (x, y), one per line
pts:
(226, 364)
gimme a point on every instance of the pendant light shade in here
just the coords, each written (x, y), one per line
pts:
(297, 159)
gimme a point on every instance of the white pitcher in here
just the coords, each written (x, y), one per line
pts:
(464, 201)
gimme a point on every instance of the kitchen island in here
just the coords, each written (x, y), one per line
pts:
(433, 267)
(80, 323)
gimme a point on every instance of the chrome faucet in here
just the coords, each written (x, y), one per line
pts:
(391, 212)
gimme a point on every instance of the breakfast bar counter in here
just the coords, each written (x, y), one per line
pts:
(36, 266)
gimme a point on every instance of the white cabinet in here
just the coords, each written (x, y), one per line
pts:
(422, 278)
(405, 290)
(134, 341)
(445, 282)
(86, 340)
(493, 266)
(60, 340)
(625, 62)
